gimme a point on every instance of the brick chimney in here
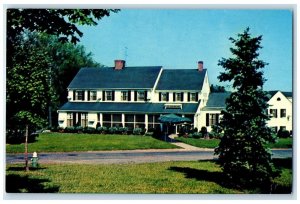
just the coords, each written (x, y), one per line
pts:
(119, 64)
(200, 66)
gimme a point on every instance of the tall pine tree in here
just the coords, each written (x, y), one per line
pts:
(243, 153)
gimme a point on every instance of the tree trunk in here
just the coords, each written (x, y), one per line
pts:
(26, 149)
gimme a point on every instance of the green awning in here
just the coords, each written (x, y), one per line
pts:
(172, 118)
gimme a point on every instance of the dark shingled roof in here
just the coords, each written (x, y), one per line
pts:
(216, 100)
(181, 79)
(106, 78)
(187, 108)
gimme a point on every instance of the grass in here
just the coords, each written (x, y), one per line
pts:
(213, 143)
(203, 143)
(186, 177)
(64, 142)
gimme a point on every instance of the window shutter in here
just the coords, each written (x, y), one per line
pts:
(129, 95)
(189, 96)
(197, 97)
(135, 95)
(174, 96)
(89, 95)
(103, 95)
(217, 118)
(74, 92)
(146, 96)
(167, 96)
(207, 119)
(181, 96)
(83, 93)
(159, 96)
(113, 95)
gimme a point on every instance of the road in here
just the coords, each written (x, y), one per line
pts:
(138, 156)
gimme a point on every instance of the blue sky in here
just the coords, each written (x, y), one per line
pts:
(179, 38)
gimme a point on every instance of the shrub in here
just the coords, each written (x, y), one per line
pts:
(79, 129)
(70, 129)
(112, 130)
(216, 132)
(102, 130)
(18, 136)
(197, 135)
(137, 131)
(283, 133)
(157, 132)
(89, 130)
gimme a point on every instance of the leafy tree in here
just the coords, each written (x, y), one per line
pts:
(242, 151)
(59, 22)
(28, 90)
(216, 88)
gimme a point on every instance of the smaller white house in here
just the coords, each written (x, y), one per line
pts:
(281, 110)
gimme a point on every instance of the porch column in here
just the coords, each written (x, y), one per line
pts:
(123, 120)
(146, 122)
(101, 119)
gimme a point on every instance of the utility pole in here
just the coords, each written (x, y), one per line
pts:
(26, 149)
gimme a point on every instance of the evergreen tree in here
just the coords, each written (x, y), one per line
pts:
(243, 154)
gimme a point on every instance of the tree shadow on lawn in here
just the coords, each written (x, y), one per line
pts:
(20, 184)
(220, 179)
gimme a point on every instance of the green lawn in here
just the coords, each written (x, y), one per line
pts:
(213, 143)
(64, 142)
(184, 177)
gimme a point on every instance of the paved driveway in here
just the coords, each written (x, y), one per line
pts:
(135, 156)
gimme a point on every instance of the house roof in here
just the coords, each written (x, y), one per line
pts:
(216, 100)
(187, 108)
(106, 78)
(181, 79)
(285, 93)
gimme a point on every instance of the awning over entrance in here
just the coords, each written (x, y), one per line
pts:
(172, 118)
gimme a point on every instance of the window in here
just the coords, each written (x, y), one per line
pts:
(212, 119)
(79, 95)
(124, 95)
(193, 96)
(163, 96)
(106, 120)
(92, 95)
(108, 95)
(282, 113)
(117, 120)
(69, 119)
(278, 99)
(141, 95)
(178, 97)
(273, 113)
(84, 119)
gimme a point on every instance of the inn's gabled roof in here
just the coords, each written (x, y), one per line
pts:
(109, 78)
(285, 93)
(181, 79)
(187, 108)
